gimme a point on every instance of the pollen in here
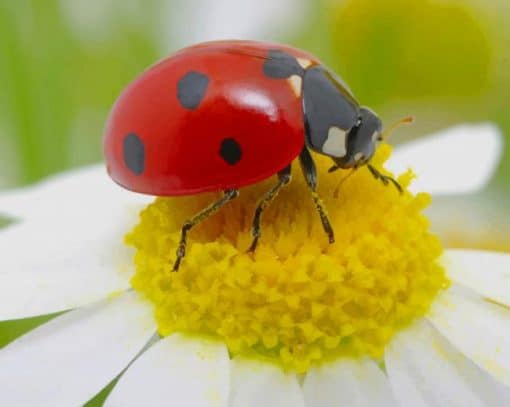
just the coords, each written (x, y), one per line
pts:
(298, 300)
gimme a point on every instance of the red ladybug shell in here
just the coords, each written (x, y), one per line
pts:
(207, 118)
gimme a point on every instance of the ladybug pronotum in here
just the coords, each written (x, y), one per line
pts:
(221, 115)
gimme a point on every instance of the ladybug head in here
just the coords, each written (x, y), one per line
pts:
(362, 141)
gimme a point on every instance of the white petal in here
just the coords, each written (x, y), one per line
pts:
(178, 371)
(425, 370)
(479, 329)
(73, 194)
(256, 384)
(68, 360)
(480, 220)
(356, 383)
(47, 266)
(487, 273)
(458, 160)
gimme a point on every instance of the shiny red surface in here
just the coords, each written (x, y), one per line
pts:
(182, 146)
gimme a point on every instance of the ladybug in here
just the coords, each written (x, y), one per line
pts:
(221, 115)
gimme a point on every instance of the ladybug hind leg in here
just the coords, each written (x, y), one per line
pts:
(284, 177)
(310, 174)
(228, 195)
(385, 179)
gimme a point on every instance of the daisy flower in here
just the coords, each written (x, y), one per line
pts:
(382, 317)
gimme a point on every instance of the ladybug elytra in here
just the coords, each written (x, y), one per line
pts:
(221, 115)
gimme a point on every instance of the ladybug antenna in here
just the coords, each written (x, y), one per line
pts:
(345, 178)
(386, 132)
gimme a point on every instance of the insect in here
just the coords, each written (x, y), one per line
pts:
(221, 115)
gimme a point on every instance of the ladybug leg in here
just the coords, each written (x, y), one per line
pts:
(284, 177)
(384, 178)
(310, 173)
(228, 195)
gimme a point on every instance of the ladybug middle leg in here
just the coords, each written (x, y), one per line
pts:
(228, 195)
(384, 178)
(310, 173)
(284, 177)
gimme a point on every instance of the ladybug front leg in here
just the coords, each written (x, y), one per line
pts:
(310, 173)
(384, 178)
(283, 179)
(228, 195)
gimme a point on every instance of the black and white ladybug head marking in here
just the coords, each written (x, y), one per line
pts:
(330, 112)
(335, 124)
(361, 140)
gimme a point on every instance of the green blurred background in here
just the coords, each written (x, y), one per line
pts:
(63, 63)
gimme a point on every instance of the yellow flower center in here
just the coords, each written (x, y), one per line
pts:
(298, 300)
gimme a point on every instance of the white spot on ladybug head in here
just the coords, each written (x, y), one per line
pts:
(358, 157)
(336, 143)
(295, 83)
(376, 137)
(305, 63)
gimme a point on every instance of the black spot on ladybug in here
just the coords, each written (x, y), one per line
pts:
(191, 89)
(281, 65)
(230, 151)
(134, 153)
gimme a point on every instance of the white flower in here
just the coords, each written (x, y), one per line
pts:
(65, 253)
